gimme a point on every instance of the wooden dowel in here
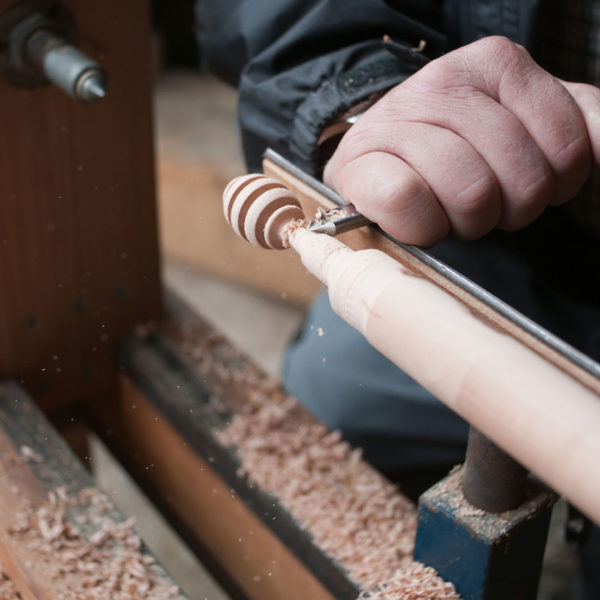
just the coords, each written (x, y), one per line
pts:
(537, 413)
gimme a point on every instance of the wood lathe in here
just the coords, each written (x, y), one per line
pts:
(461, 346)
(277, 506)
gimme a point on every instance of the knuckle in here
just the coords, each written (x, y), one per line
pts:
(476, 197)
(501, 60)
(591, 93)
(500, 48)
(489, 57)
(411, 213)
(574, 150)
(536, 189)
(401, 195)
(530, 199)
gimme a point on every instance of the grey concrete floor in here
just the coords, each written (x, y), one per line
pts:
(258, 324)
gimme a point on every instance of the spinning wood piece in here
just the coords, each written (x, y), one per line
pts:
(258, 208)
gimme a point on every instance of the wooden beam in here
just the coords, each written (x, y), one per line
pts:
(77, 215)
(539, 414)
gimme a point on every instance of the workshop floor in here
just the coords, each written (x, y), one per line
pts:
(195, 117)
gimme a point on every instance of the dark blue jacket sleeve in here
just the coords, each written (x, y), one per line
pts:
(300, 63)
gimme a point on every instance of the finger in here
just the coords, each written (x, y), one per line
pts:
(463, 183)
(543, 106)
(389, 192)
(523, 175)
(587, 98)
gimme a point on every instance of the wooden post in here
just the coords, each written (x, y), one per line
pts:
(78, 244)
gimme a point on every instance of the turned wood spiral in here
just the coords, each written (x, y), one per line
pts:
(258, 208)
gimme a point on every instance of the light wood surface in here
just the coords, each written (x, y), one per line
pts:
(538, 406)
(77, 215)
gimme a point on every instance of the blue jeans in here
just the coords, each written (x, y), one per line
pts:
(349, 386)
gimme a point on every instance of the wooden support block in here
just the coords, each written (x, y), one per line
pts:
(54, 524)
(77, 216)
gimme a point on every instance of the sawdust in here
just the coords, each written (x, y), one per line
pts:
(30, 455)
(413, 581)
(289, 229)
(353, 514)
(351, 511)
(323, 216)
(75, 542)
(8, 591)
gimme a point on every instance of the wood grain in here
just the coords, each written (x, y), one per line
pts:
(77, 215)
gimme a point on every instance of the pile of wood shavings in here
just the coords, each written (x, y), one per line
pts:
(413, 581)
(354, 514)
(349, 509)
(8, 591)
(107, 563)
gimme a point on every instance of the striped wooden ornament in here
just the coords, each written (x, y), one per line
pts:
(258, 208)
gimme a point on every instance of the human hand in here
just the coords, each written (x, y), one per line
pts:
(480, 138)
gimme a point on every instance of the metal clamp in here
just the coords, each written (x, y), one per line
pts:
(37, 46)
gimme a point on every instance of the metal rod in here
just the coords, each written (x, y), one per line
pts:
(492, 480)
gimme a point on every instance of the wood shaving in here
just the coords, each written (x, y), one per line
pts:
(78, 544)
(353, 513)
(30, 455)
(8, 591)
(413, 581)
(289, 229)
(420, 47)
(323, 216)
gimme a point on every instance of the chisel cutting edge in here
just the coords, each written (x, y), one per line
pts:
(338, 220)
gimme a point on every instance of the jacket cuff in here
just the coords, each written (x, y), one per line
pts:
(361, 86)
